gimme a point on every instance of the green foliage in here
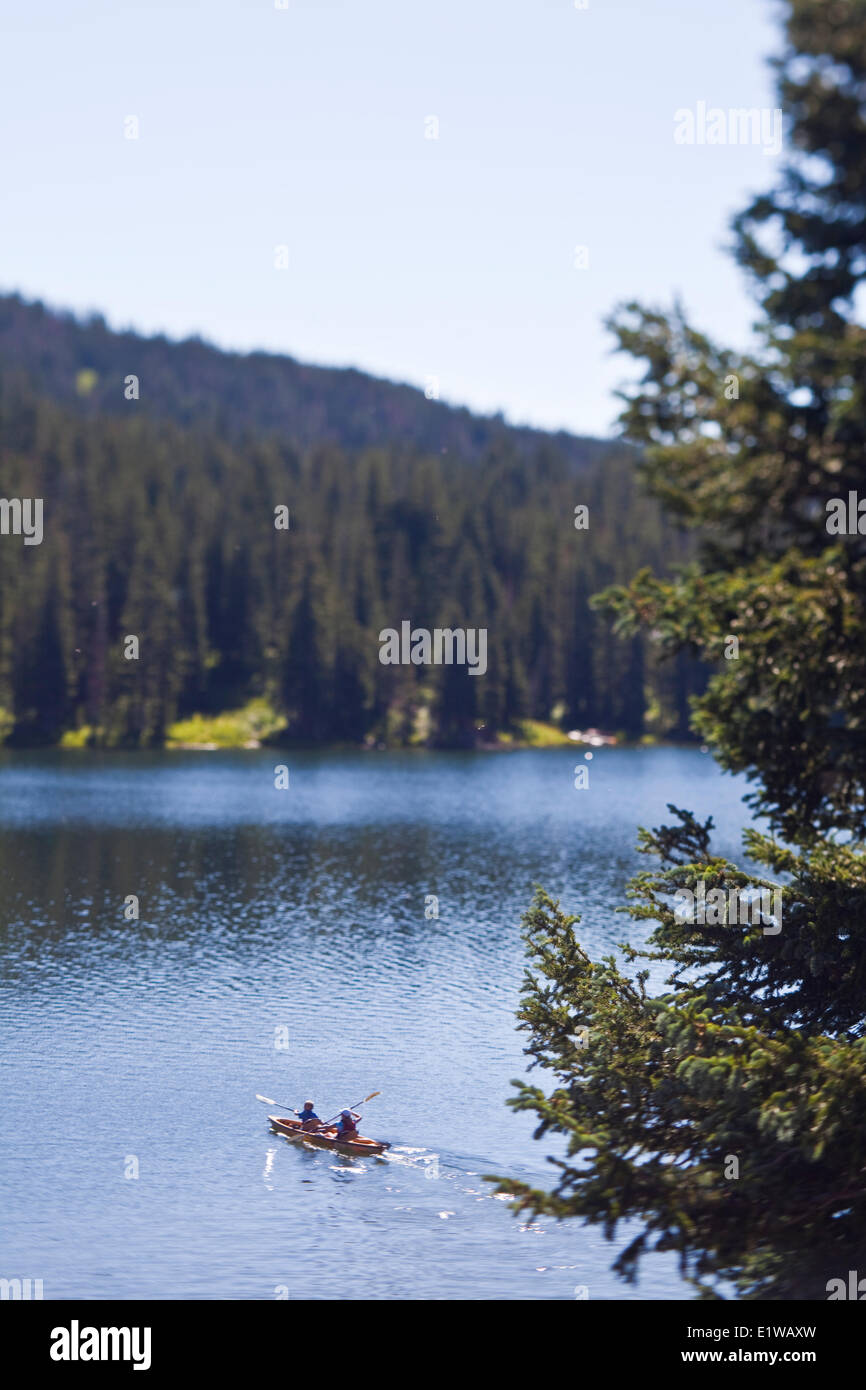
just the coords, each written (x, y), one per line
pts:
(160, 525)
(84, 737)
(790, 708)
(659, 1095)
(535, 733)
(256, 723)
(756, 1052)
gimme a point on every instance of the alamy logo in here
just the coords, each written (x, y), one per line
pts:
(754, 907)
(24, 1289)
(739, 125)
(855, 1291)
(75, 1343)
(444, 645)
(846, 518)
(22, 517)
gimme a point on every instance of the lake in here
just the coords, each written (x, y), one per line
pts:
(282, 947)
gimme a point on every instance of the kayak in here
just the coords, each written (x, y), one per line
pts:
(327, 1138)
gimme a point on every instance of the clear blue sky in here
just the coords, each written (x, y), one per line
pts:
(408, 257)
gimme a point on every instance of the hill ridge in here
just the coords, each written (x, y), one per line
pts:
(83, 361)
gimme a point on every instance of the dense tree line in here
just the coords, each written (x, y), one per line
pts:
(167, 532)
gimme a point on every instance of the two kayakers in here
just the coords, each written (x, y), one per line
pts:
(347, 1127)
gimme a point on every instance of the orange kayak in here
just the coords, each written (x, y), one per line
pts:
(327, 1138)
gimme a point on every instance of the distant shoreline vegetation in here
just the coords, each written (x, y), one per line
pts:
(259, 725)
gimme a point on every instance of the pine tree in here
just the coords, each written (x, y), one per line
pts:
(728, 1114)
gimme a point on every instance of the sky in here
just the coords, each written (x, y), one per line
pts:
(428, 171)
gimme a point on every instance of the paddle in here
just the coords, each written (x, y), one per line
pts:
(266, 1100)
(355, 1106)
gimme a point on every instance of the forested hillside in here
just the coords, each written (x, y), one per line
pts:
(86, 364)
(159, 523)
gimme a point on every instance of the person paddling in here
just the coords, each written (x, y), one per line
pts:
(347, 1128)
(308, 1117)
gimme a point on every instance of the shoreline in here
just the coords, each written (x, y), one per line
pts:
(256, 745)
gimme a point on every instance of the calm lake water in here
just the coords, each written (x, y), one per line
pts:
(299, 910)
